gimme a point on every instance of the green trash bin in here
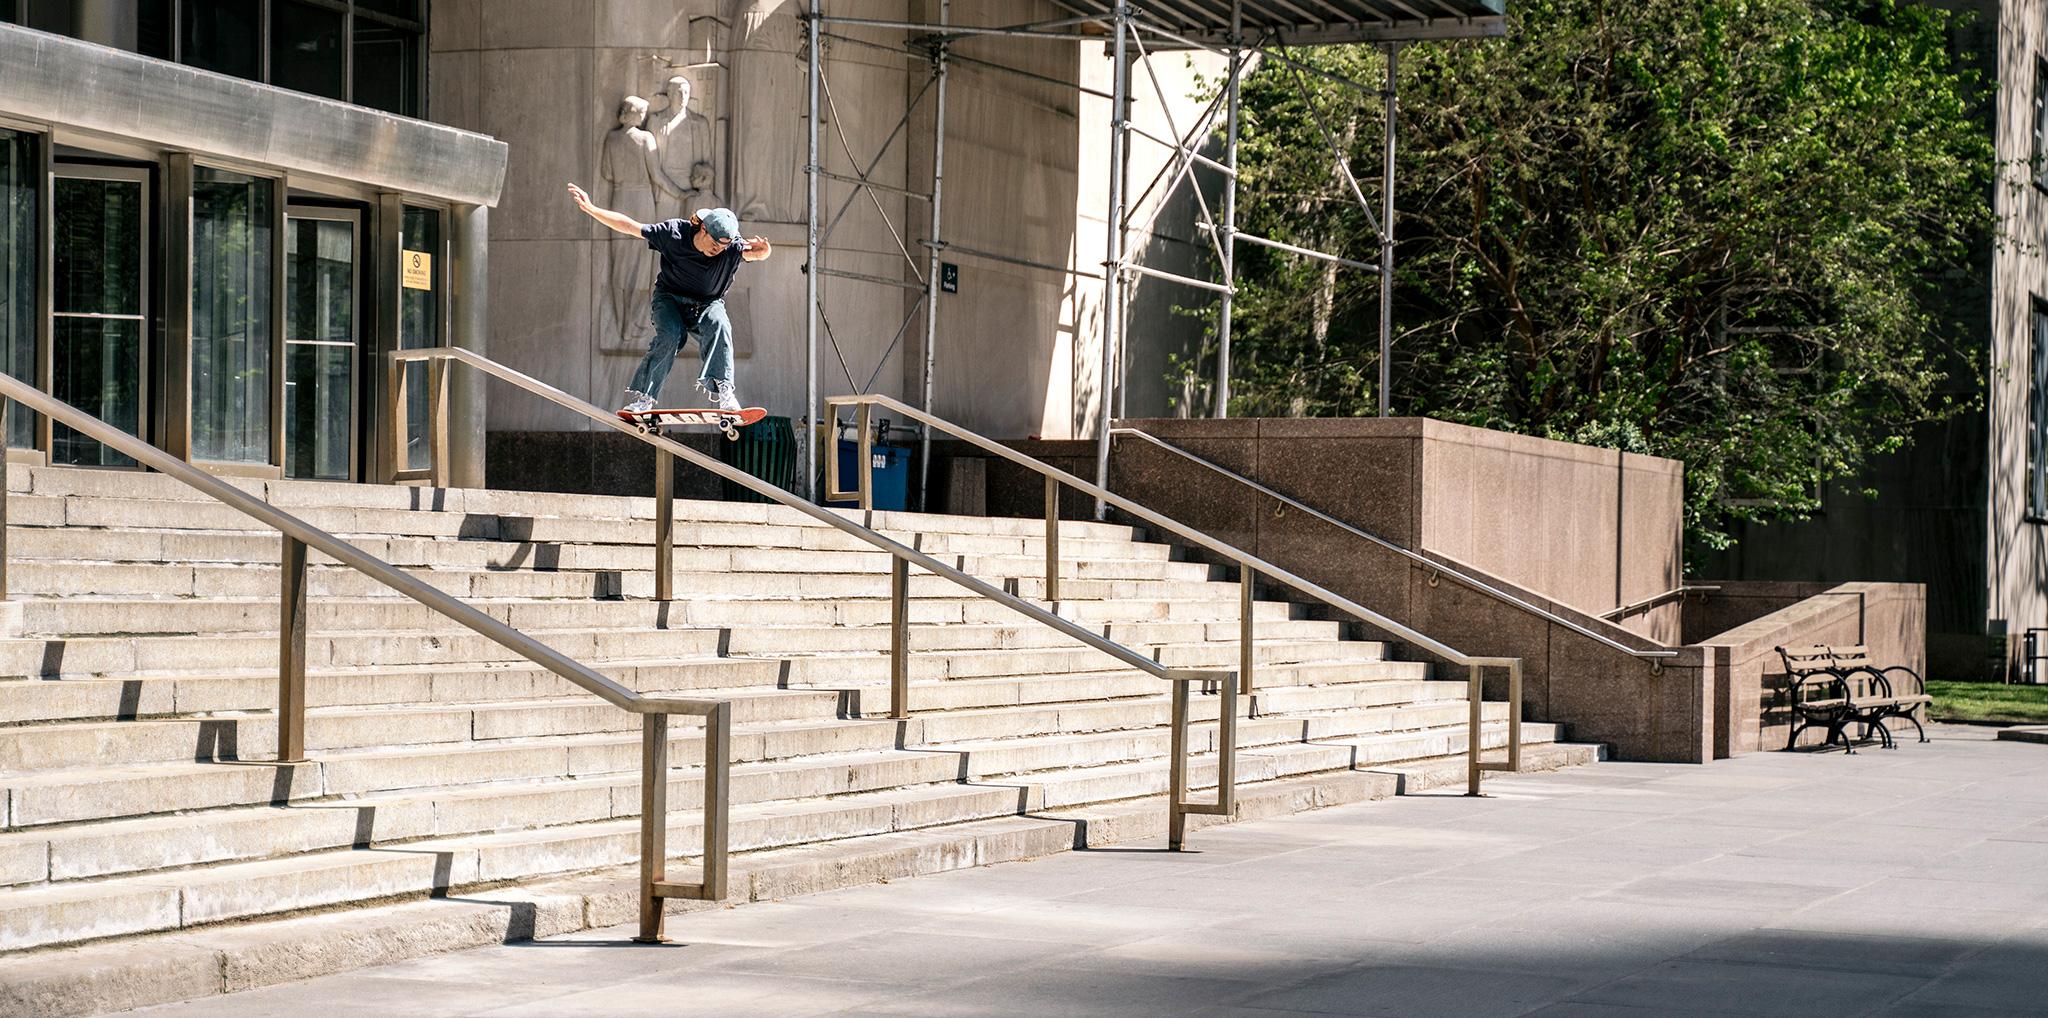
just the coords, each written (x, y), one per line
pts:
(766, 450)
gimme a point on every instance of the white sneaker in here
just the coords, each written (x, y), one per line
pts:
(722, 392)
(637, 402)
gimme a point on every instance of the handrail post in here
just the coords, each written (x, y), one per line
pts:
(291, 652)
(899, 637)
(1226, 751)
(1052, 538)
(1475, 691)
(1515, 715)
(664, 525)
(395, 409)
(437, 422)
(1177, 770)
(1246, 578)
(654, 821)
(866, 444)
(4, 551)
(717, 798)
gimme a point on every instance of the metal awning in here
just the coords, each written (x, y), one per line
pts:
(1314, 22)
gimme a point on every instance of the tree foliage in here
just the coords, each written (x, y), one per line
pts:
(1725, 231)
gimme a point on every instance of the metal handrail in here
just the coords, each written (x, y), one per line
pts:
(901, 558)
(291, 728)
(1250, 567)
(1654, 600)
(1434, 564)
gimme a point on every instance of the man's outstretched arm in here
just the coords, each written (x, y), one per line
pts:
(618, 221)
(757, 250)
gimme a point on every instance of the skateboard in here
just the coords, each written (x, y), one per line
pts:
(728, 421)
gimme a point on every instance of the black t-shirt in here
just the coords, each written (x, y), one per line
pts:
(686, 271)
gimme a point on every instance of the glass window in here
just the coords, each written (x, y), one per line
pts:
(2040, 155)
(320, 347)
(154, 29)
(387, 68)
(99, 315)
(60, 17)
(231, 316)
(305, 49)
(224, 36)
(419, 325)
(10, 10)
(409, 9)
(19, 167)
(2037, 415)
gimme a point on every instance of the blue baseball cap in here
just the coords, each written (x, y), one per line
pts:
(721, 224)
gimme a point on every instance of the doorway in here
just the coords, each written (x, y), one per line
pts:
(322, 340)
(100, 304)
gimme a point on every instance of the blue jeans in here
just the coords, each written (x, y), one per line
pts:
(671, 320)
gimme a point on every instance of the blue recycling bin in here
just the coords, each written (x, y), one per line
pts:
(891, 477)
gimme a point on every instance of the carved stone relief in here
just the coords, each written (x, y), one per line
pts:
(636, 184)
(686, 148)
(768, 80)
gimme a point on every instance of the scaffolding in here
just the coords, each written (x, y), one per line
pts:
(1243, 32)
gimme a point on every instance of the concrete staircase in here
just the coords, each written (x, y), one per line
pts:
(459, 795)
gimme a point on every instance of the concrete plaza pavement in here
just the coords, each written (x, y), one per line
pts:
(1885, 883)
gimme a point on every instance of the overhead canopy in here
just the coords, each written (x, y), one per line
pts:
(71, 84)
(1316, 22)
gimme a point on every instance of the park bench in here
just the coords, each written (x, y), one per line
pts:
(1832, 688)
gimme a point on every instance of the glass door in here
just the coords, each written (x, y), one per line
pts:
(321, 276)
(101, 306)
(20, 166)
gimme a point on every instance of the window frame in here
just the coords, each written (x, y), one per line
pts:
(2038, 159)
(351, 12)
(182, 402)
(2034, 472)
(360, 362)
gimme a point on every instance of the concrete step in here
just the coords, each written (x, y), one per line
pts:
(64, 855)
(86, 699)
(61, 481)
(53, 772)
(33, 511)
(131, 656)
(50, 747)
(95, 699)
(158, 544)
(133, 972)
(810, 653)
(1139, 621)
(74, 912)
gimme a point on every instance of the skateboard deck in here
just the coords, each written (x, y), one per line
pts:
(728, 421)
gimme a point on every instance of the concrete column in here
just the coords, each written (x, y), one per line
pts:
(469, 240)
(107, 22)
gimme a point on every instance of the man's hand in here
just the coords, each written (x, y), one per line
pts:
(757, 248)
(617, 223)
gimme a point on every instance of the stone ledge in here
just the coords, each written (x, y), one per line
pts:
(164, 968)
(2025, 733)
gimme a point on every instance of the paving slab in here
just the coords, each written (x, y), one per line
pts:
(1772, 884)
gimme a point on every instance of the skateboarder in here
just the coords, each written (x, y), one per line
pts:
(699, 258)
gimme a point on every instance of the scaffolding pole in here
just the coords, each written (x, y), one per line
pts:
(1387, 248)
(1113, 265)
(931, 275)
(808, 435)
(1126, 23)
(1229, 227)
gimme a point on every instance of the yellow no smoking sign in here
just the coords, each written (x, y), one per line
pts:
(419, 270)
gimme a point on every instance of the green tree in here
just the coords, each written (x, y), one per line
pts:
(1726, 231)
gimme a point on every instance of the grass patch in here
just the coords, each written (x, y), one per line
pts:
(1988, 701)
